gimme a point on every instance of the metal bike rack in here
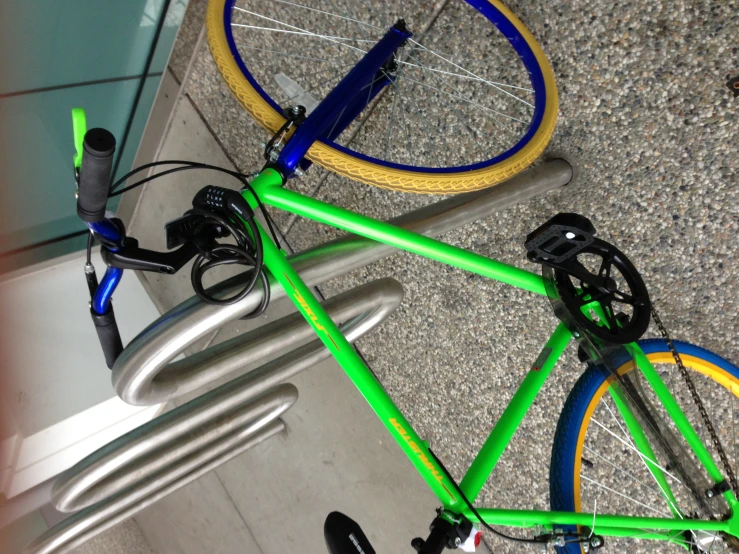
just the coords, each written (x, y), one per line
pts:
(150, 462)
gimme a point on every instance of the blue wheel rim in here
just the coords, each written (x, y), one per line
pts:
(502, 23)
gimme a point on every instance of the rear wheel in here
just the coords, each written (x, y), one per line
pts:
(472, 102)
(596, 465)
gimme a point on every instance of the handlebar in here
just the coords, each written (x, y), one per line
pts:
(194, 234)
(95, 172)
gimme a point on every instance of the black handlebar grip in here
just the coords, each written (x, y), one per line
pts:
(108, 335)
(97, 164)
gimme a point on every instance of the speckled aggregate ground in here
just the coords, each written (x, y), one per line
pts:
(645, 111)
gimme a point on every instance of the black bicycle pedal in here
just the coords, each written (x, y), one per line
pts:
(560, 238)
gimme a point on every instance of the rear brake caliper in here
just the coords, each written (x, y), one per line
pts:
(294, 116)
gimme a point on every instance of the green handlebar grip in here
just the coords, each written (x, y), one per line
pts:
(79, 127)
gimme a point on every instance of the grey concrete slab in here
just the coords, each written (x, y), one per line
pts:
(125, 538)
(197, 518)
(15, 536)
(336, 455)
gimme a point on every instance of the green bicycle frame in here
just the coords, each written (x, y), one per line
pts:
(268, 186)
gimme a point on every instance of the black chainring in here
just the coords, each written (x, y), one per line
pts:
(624, 299)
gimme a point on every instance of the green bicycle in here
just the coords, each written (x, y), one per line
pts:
(631, 458)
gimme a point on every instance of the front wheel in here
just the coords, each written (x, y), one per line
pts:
(596, 468)
(472, 99)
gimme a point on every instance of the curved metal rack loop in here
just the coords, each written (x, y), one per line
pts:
(152, 461)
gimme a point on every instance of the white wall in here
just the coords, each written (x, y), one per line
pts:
(58, 400)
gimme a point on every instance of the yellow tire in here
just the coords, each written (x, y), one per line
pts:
(371, 173)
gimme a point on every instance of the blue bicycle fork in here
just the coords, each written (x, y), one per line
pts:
(344, 103)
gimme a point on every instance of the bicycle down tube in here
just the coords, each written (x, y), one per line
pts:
(268, 186)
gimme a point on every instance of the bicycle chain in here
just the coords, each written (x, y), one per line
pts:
(697, 400)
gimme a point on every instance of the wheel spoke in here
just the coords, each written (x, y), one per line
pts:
(395, 84)
(466, 100)
(384, 19)
(445, 82)
(629, 446)
(459, 76)
(367, 86)
(617, 422)
(712, 545)
(288, 55)
(360, 27)
(660, 493)
(357, 21)
(420, 118)
(302, 31)
(472, 74)
(391, 116)
(465, 125)
(330, 38)
(406, 126)
(622, 495)
(341, 114)
(671, 538)
(623, 471)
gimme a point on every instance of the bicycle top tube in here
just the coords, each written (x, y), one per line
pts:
(342, 100)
